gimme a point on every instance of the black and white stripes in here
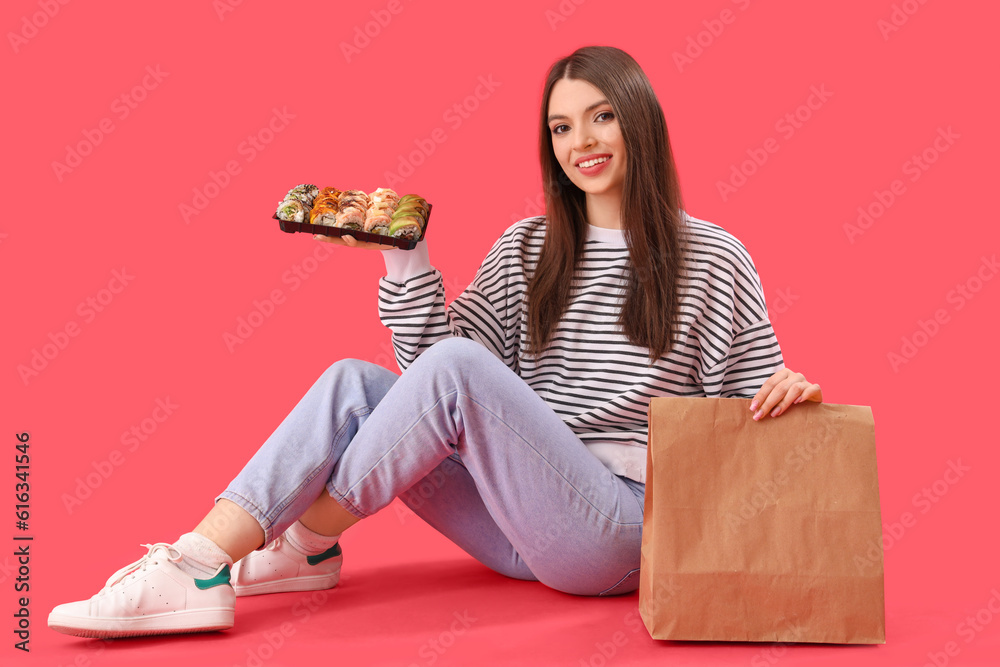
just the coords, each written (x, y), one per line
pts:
(590, 375)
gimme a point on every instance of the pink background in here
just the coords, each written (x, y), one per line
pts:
(839, 305)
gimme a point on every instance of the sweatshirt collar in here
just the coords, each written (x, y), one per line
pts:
(616, 236)
(605, 235)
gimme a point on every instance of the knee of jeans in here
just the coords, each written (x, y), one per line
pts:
(457, 352)
(354, 368)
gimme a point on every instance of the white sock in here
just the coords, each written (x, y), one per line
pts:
(307, 541)
(202, 556)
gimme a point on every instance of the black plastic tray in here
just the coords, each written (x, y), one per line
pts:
(365, 237)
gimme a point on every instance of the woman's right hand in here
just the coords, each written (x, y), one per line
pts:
(352, 242)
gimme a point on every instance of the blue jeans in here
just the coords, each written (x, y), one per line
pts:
(466, 444)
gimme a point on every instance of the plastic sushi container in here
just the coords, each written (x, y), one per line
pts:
(365, 237)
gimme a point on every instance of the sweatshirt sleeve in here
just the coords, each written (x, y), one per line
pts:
(412, 303)
(754, 356)
(753, 353)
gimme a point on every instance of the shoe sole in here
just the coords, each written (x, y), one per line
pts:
(295, 584)
(201, 620)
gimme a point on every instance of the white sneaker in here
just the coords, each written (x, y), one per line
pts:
(280, 567)
(151, 596)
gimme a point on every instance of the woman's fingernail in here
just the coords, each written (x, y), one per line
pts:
(798, 400)
(753, 406)
(776, 411)
(758, 414)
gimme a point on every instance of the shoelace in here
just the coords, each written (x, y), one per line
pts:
(274, 544)
(140, 565)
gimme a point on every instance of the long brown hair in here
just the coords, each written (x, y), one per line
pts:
(650, 209)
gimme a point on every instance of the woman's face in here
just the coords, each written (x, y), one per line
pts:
(584, 128)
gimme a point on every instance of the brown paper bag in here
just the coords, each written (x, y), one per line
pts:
(761, 531)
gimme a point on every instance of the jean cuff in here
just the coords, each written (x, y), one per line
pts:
(253, 511)
(344, 502)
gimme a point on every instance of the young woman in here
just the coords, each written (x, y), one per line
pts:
(518, 426)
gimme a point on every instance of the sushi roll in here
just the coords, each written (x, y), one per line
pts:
(406, 226)
(379, 214)
(308, 189)
(323, 215)
(378, 219)
(299, 196)
(327, 201)
(292, 210)
(384, 195)
(411, 210)
(414, 201)
(356, 198)
(351, 217)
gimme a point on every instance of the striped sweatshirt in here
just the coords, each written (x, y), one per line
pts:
(591, 376)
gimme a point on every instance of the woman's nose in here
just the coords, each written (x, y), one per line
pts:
(582, 140)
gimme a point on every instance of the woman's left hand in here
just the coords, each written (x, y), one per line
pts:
(782, 390)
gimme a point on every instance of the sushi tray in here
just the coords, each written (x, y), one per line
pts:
(381, 216)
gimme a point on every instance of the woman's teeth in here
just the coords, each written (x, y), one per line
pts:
(591, 163)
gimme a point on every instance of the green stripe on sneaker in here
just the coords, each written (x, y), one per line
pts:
(221, 578)
(329, 553)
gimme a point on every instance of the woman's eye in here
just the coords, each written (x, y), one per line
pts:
(610, 114)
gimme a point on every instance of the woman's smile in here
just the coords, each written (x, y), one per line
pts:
(592, 166)
(586, 137)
